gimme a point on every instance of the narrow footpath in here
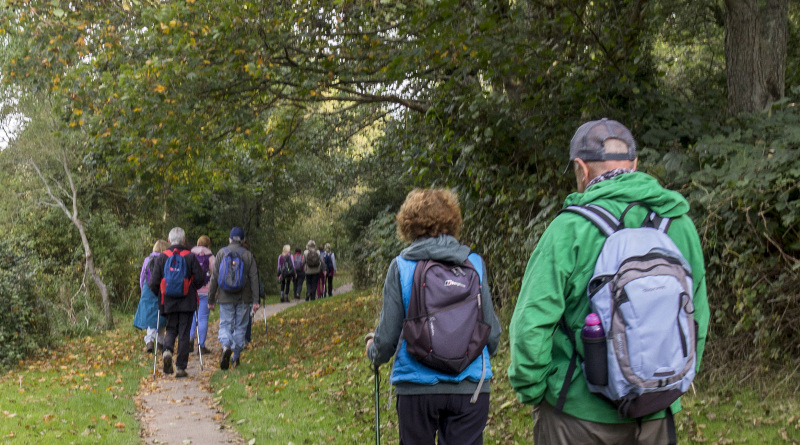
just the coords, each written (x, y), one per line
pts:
(183, 411)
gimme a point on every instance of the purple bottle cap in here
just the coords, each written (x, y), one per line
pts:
(592, 319)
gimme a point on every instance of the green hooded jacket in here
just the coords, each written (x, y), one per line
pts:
(555, 282)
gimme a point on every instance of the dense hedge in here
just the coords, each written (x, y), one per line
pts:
(23, 327)
(742, 184)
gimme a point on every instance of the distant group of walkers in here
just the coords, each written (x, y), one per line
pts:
(313, 266)
(181, 286)
(609, 326)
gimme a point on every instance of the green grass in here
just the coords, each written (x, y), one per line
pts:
(342, 277)
(82, 392)
(311, 384)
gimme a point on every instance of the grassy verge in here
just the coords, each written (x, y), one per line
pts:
(80, 392)
(311, 384)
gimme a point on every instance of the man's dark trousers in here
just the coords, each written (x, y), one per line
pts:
(179, 324)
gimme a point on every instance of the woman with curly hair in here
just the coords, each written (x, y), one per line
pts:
(430, 401)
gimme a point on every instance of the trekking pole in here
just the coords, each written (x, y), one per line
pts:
(374, 367)
(377, 406)
(197, 334)
(155, 349)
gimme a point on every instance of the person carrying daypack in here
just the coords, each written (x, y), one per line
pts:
(175, 278)
(286, 272)
(314, 266)
(234, 283)
(300, 275)
(622, 253)
(205, 256)
(147, 309)
(330, 267)
(445, 391)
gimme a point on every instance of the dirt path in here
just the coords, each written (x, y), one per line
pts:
(183, 411)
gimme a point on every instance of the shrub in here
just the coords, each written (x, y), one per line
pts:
(376, 250)
(742, 185)
(22, 326)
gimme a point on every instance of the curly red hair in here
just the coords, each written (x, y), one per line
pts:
(429, 212)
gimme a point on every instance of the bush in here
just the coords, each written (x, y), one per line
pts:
(743, 189)
(22, 326)
(377, 248)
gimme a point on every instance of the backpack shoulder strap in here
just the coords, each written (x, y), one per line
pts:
(573, 364)
(417, 285)
(652, 220)
(600, 217)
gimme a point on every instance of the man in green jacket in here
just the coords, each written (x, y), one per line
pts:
(604, 160)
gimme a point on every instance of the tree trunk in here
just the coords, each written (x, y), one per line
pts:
(101, 286)
(755, 53)
(72, 214)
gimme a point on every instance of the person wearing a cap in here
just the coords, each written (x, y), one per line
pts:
(603, 156)
(234, 307)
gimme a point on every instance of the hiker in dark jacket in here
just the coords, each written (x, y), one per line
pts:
(312, 270)
(299, 262)
(330, 265)
(179, 310)
(428, 400)
(286, 272)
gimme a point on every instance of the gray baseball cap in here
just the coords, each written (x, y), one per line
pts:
(589, 142)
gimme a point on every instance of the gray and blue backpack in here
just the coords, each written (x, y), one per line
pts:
(642, 291)
(231, 271)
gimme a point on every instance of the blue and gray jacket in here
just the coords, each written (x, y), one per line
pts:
(408, 375)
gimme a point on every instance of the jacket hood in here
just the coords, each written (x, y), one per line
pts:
(441, 248)
(201, 250)
(634, 187)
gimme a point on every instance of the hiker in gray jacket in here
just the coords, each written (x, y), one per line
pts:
(429, 400)
(314, 266)
(234, 306)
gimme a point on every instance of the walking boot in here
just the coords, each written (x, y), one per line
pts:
(225, 361)
(167, 362)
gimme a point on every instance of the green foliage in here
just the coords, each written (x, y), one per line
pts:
(213, 114)
(119, 251)
(743, 188)
(376, 250)
(23, 328)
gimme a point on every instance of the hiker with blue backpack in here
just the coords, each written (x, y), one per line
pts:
(438, 322)
(202, 251)
(147, 311)
(175, 278)
(610, 324)
(234, 283)
(330, 267)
